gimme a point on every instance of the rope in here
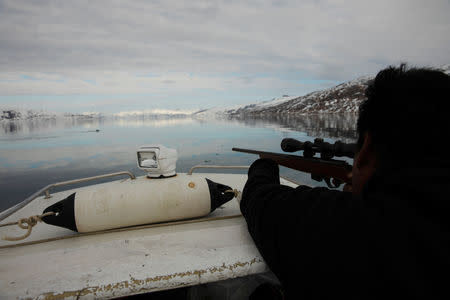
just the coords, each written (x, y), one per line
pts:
(25, 223)
(237, 194)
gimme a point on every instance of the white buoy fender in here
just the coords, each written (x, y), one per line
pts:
(140, 201)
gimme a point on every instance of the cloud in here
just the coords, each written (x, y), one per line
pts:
(100, 47)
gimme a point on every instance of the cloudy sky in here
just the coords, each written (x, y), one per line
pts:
(112, 56)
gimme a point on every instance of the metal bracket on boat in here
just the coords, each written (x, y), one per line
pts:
(215, 167)
(46, 190)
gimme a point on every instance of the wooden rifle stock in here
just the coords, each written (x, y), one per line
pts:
(338, 170)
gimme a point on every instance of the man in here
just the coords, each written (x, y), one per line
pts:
(390, 237)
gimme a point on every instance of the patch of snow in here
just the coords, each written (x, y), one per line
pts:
(153, 112)
(445, 69)
(275, 102)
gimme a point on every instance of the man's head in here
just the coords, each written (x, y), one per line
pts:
(404, 122)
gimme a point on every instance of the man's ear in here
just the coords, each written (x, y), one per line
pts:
(366, 156)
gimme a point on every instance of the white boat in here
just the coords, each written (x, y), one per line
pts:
(58, 263)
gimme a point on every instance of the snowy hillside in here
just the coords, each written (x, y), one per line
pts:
(154, 113)
(225, 111)
(345, 97)
(15, 114)
(18, 114)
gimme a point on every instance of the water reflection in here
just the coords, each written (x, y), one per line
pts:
(37, 152)
(154, 122)
(342, 126)
(336, 126)
(12, 127)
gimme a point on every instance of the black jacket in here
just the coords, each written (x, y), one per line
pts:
(394, 240)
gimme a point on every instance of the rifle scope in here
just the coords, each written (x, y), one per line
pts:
(326, 150)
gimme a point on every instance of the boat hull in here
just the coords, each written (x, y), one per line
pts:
(57, 263)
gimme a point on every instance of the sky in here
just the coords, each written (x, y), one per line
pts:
(115, 56)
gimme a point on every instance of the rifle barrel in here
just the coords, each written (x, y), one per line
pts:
(330, 168)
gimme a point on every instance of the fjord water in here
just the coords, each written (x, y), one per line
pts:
(37, 152)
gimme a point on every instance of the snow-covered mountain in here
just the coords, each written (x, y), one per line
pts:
(154, 113)
(345, 97)
(15, 114)
(18, 114)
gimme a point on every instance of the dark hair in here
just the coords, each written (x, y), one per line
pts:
(407, 114)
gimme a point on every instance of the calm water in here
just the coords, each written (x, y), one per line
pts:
(36, 153)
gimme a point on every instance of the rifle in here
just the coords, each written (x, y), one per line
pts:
(334, 172)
